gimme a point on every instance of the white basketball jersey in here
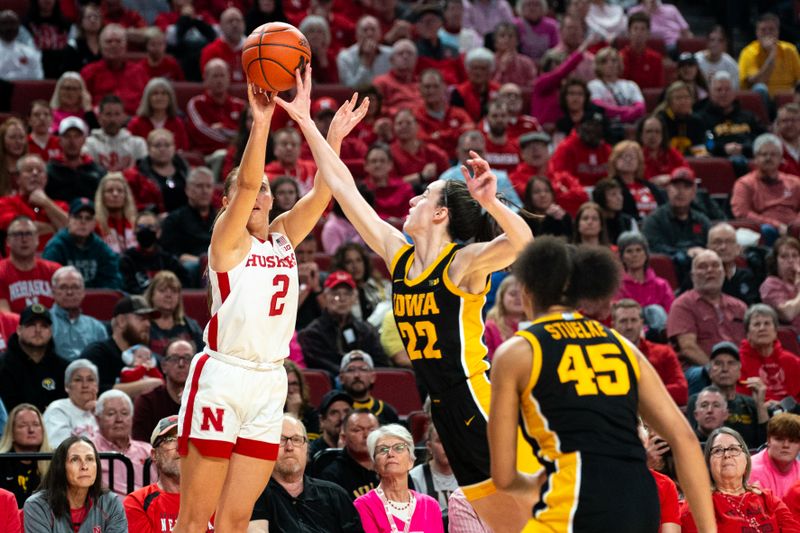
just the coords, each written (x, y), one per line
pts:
(254, 305)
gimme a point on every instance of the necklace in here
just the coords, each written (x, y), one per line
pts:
(737, 506)
(394, 505)
(411, 504)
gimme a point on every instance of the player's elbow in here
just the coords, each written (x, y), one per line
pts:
(503, 475)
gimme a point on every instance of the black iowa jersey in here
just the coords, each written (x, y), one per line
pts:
(442, 329)
(579, 413)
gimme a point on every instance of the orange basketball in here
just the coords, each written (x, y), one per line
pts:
(272, 53)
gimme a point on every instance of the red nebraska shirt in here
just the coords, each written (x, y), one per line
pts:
(23, 288)
(646, 69)
(46, 152)
(406, 163)
(445, 131)
(127, 82)
(222, 50)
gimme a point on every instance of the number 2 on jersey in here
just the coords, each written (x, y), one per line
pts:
(411, 334)
(276, 305)
(608, 374)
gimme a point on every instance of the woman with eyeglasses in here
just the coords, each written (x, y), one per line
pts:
(392, 506)
(739, 506)
(74, 415)
(164, 295)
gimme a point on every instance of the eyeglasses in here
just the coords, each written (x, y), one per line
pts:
(161, 443)
(733, 451)
(185, 359)
(400, 447)
(296, 440)
(21, 234)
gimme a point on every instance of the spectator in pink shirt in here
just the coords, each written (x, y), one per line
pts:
(509, 65)
(776, 468)
(766, 195)
(537, 32)
(640, 282)
(781, 289)
(666, 20)
(502, 320)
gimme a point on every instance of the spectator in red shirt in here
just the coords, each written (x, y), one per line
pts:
(9, 322)
(323, 55)
(535, 156)
(418, 163)
(584, 154)
(399, 86)
(641, 64)
(393, 17)
(439, 122)
(287, 160)
(392, 193)
(432, 52)
(765, 358)
(518, 122)
(227, 46)
(627, 319)
(40, 141)
(113, 74)
(31, 200)
(322, 111)
(502, 152)
(159, 64)
(115, 12)
(660, 159)
(24, 278)
(158, 109)
(510, 65)
(626, 166)
(343, 29)
(788, 129)
(475, 94)
(214, 115)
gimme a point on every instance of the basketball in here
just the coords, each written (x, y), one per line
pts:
(272, 53)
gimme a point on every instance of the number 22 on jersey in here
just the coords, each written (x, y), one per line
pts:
(411, 333)
(595, 369)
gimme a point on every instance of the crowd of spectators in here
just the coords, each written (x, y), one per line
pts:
(611, 124)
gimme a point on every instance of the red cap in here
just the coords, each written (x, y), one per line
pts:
(338, 278)
(324, 103)
(685, 174)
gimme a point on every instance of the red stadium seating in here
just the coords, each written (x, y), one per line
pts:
(751, 101)
(781, 99)
(20, 7)
(318, 383)
(692, 44)
(715, 174)
(100, 303)
(652, 97)
(664, 267)
(323, 261)
(417, 422)
(184, 91)
(788, 337)
(744, 223)
(26, 91)
(398, 387)
(195, 305)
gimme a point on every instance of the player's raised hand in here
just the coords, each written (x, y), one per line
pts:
(347, 117)
(482, 184)
(262, 103)
(299, 108)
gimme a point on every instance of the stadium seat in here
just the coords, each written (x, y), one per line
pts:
(663, 267)
(323, 261)
(379, 266)
(26, 91)
(184, 91)
(788, 337)
(781, 99)
(744, 223)
(715, 173)
(195, 159)
(417, 422)
(195, 305)
(692, 44)
(751, 101)
(398, 386)
(100, 303)
(20, 7)
(652, 97)
(319, 382)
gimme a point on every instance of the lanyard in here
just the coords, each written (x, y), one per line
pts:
(390, 517)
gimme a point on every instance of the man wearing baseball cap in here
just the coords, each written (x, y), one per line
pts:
(30, 369)
(327, 338)
(357, 376)
(78, 245)
(72, 174)
(333, 408)
(154, 508)
(130, 325)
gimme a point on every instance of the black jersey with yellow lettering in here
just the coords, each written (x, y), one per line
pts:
(579, 413)
(440, 324)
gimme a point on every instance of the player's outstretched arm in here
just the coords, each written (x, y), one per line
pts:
(487, 257)
(230, 231)
(660, 412)
(380, 236)
(510, 375)
(301, 219)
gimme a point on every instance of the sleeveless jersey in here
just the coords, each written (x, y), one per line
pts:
(440, 324)
(254, 305)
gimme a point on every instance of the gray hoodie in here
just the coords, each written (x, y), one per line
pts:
(106, 515)
(115, 153)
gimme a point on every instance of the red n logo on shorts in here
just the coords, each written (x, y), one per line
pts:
(214, 418)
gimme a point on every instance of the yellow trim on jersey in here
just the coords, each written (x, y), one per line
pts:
(458, 291)
(427, 272)
(626, 347)
(558, 315)
(481, 390)
(479, 490)
(396, 258)
(561, 498)
(536, 359)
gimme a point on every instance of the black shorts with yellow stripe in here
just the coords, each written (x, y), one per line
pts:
(460, 419)
(596, 494)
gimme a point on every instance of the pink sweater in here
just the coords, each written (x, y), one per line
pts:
(653, 290)
(765, 472)
(427, 517)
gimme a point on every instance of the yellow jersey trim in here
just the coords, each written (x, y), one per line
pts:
(427, 272)
(397, 257)
(630, 354)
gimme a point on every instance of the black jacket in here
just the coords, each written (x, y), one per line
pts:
(351, 476)
(24, 381)
(138, 268)
(739, 126)
(67, 183)
(184, 231)
(108, 358)
(324, 342)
